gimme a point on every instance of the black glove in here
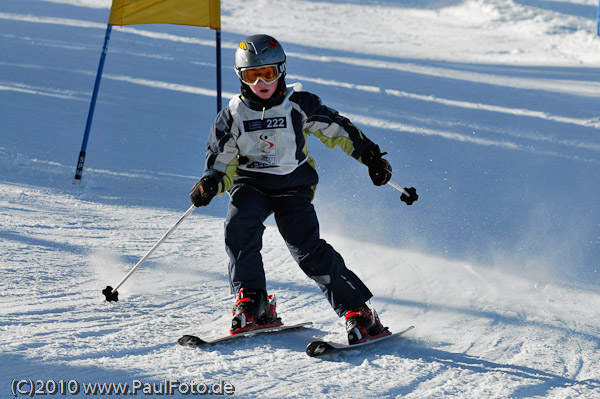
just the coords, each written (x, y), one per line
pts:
(203, 191)
(380, 170)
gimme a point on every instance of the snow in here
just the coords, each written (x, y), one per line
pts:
(489, 108)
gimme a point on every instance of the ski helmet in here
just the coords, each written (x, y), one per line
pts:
(259, 50)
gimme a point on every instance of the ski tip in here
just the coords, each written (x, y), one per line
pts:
(318, 348)
(190, 340)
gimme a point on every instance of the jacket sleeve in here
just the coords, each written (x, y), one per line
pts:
(325, 123)
(222, 151)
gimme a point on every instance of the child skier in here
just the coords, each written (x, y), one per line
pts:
(257, 152)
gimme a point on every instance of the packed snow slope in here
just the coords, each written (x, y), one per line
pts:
(489, 108)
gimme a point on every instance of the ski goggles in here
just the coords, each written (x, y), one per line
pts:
(268, 74)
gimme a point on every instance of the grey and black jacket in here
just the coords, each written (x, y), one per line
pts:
(265, 144)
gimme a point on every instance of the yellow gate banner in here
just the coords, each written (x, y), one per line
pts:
(179, 12)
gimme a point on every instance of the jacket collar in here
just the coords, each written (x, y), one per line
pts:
(253, 102)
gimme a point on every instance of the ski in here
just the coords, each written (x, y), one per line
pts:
(192, 340)
(318, 348)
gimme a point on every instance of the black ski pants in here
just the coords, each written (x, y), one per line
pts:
(297, 221)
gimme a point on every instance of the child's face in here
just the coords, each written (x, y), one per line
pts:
(263, 90)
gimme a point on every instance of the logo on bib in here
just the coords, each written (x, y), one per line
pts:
(266, 143)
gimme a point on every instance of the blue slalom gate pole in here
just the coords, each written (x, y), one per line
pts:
(218, 38)
(598, 20)
(88, 125)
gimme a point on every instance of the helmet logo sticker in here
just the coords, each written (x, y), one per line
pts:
(243, 45)
(273, 43)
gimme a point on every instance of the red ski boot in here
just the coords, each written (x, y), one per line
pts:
(362, 324)
(254, 310)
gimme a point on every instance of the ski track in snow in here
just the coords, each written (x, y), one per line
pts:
(57, 258)
(481, 331)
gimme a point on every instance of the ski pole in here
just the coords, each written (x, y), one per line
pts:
(110, 293)
(409, 195)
